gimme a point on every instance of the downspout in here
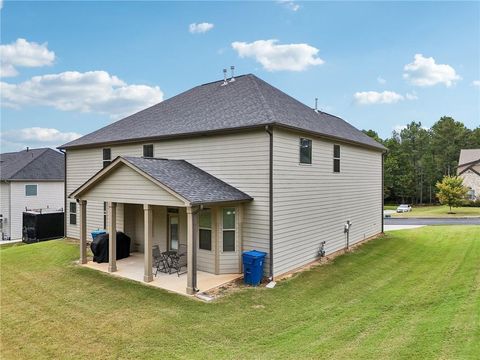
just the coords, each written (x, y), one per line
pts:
(64, 192)
(269, 130)
(382, 192)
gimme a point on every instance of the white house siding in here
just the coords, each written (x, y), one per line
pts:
(312, 203)
(472, 180)
(50, 194)
(5, 209)
(240, 159)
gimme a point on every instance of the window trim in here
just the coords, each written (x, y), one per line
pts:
(106, 161)
(337, 158)
(36, 190)
(300, 151)
(153, 153)
(70, 213)
(235, 230)
(205, 228)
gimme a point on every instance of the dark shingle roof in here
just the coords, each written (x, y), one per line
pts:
(187, 180)
(246, 102)
(34, 164)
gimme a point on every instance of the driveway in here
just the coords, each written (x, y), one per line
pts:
(432, 221)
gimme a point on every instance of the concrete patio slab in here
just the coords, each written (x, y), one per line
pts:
(132, 268)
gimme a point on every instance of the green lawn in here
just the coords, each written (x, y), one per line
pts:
(412, 294)
(438, 211)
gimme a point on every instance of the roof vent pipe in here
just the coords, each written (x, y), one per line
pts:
(232, 69)
(225, 82)
(316, 104)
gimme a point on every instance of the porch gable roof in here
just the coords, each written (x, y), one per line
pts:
(188, 183)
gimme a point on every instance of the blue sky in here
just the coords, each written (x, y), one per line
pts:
(379, 65)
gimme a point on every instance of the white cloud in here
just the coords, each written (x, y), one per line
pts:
(200, 28)
(381, 80)
(275, 57)
(476, 83)
(425, 71)
(22, 53)
(411, 96)
(1, 4)
(38, 134)
(17, 139)
(93, 91)
(374, 97)
(291, 5)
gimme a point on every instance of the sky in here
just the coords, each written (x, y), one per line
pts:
(69, 68)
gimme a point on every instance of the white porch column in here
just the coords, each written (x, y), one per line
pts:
(112, 236)
(191, 269)
(83, 231)
(148, 226)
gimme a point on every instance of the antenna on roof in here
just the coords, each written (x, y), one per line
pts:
(225, 82)
(316, 105)
(232, 68)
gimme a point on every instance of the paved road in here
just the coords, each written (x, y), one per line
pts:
(437, 221)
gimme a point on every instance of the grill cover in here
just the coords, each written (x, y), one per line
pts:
(99, 247)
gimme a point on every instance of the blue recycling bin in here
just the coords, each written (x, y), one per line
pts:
(95, 233)
(253, 266)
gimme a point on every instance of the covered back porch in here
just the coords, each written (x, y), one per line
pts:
(167, 203)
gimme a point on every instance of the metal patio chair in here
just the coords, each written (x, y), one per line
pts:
(159, 260)
(179, 260)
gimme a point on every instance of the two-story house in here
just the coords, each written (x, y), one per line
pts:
(30, 179)
(469, 170)
(225, 167)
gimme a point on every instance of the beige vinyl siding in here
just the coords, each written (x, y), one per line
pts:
(140, 190)
(240, 159)
(312, 203)
(5, 208)
(49, 195)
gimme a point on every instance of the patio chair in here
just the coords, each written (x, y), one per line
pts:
(159, 260)
(179, 260)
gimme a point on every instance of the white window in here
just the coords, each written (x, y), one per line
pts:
(148, 151)
(305, 151)
(73, 213)
(228, 230)
(30, 190)
(205, 230)
(107, 157)
(336, 158)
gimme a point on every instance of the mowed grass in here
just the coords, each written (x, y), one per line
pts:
(438, 211)
(413, 294)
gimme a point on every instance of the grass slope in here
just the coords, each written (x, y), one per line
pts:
(437, 211)
(411, 294)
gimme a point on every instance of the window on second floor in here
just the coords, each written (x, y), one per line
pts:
(30, 190)
(107, 156)
(305, 151)
(148, 151)
(336, 158)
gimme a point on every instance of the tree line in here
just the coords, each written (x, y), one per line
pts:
(418, 158)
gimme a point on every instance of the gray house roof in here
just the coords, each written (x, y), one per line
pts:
(247, 102)
(32, 164)
(468, 156)
(183, 178)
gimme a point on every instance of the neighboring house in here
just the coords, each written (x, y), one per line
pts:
(228, 166)
(30, 179)
(469, 170)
